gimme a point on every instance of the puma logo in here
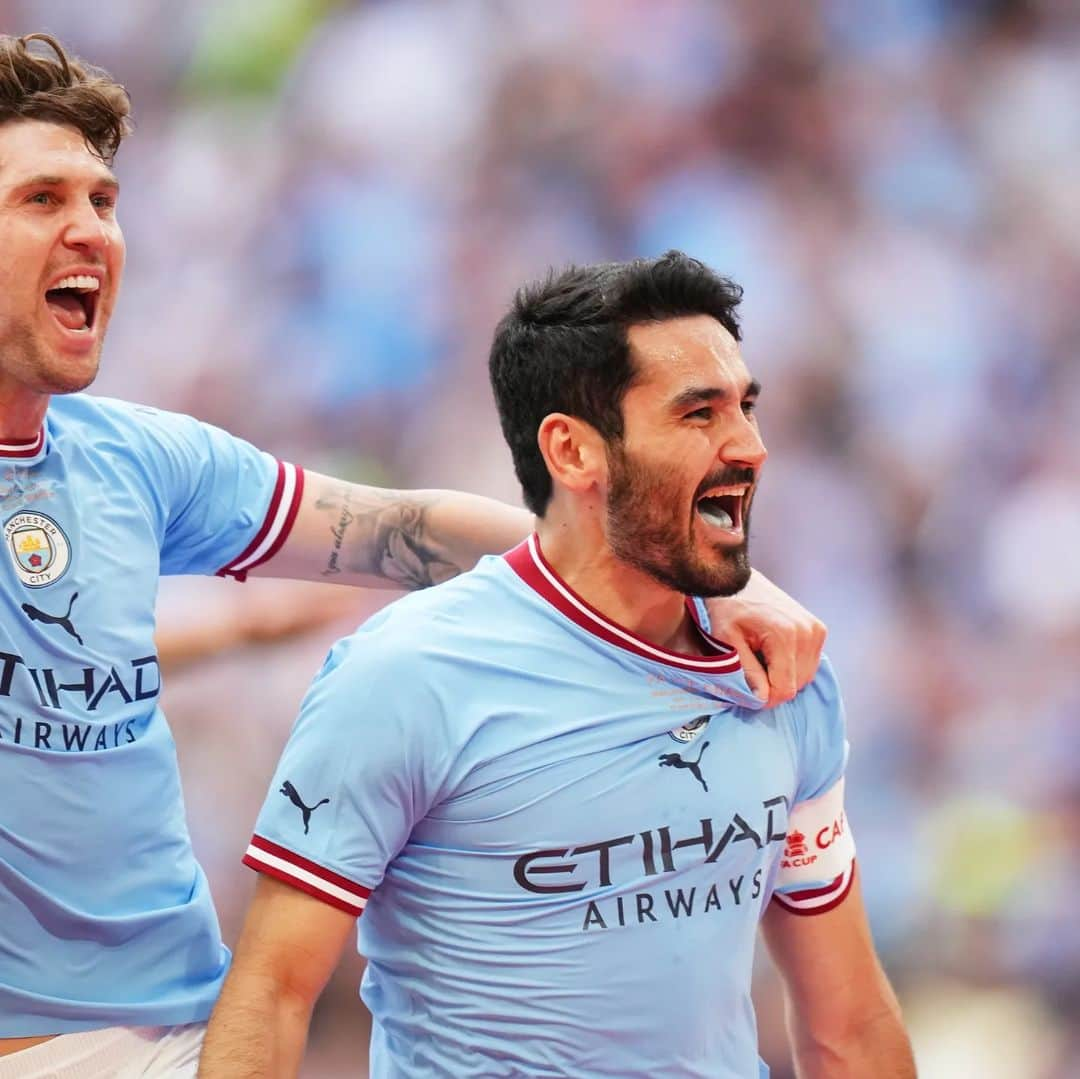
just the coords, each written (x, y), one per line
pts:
(61, 620)
(673, 760)
(290, 792)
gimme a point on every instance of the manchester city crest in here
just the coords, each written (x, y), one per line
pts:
(689, 731)
(38, 548)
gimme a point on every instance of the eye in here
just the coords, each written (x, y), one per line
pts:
(699, 414)
(749, 406)
(103, 202)
(42, 198)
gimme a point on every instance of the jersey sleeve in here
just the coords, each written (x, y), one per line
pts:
(227, 506)
(360, 768)
(818, 861)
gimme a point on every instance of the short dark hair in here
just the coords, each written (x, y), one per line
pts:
(62, 90)
(563, 347)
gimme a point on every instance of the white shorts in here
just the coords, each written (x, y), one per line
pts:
(112, 1053)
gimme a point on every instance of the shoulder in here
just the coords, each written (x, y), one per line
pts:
(431, 628)
(105, 416)
(819, 730)
(87, 410)
(823, 690)
(818, 706)
(90, 408)
(407, 672)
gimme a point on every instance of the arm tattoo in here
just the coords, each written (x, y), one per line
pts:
(387, 534)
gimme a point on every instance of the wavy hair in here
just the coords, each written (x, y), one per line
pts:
(62, 89)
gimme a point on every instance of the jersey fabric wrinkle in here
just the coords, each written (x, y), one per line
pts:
(561, 839)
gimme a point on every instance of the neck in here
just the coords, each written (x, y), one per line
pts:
(22, 412)
(578, 552)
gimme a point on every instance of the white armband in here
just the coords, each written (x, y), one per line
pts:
(818, 862)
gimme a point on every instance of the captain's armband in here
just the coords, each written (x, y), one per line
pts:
(819, 855)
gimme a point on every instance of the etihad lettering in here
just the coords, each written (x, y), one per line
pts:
(671, 903)
(572, 869)
(138, 680)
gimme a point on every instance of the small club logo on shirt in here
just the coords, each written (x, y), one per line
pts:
(38, 548)
(292, 794)
(689, 731)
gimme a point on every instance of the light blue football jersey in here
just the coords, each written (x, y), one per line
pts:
(561, 837)
(105, 916)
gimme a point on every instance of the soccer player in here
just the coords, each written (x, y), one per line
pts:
(110, 952)
(545, 785)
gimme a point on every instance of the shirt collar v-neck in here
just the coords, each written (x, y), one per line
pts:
(528, 562)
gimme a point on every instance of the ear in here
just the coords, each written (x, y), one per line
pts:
(573, 451)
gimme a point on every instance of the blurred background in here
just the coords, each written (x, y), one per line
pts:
(327, 207)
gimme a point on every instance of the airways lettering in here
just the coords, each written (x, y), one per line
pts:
(610, 912)
(76, 737)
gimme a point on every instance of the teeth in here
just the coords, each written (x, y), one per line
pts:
(82, 282)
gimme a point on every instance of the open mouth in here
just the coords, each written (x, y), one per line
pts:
(73, 302)
(723, 507)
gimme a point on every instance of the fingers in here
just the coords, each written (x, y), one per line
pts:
(779, 653)
(778, 640)
(792, 656)
(756, 676)
(808, 649)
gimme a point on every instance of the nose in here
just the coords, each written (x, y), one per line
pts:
(85, 230)
(745, 446)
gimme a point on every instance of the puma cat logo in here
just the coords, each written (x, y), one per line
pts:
(290, 792)
(673, 760)
(61, 620)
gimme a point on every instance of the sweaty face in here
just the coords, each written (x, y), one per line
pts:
(61, 258)
(682, 479)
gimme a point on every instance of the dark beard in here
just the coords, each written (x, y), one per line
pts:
(643, 527)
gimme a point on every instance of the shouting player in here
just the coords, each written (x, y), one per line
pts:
(110, 952)
(545, 785)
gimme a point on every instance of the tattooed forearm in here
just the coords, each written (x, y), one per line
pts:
(384, 533)
(333, 563)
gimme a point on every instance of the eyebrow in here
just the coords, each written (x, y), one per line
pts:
(696, 395)
(106, 179)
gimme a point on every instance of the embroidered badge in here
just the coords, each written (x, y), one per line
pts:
(38, 548)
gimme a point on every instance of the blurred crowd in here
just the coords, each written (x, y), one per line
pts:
(327, 207)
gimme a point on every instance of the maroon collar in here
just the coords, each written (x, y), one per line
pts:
(22, 450)
(528, 562)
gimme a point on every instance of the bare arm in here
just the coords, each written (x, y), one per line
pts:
(289, 947)
(843, 1016)
(347, 533)
(262, 613)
